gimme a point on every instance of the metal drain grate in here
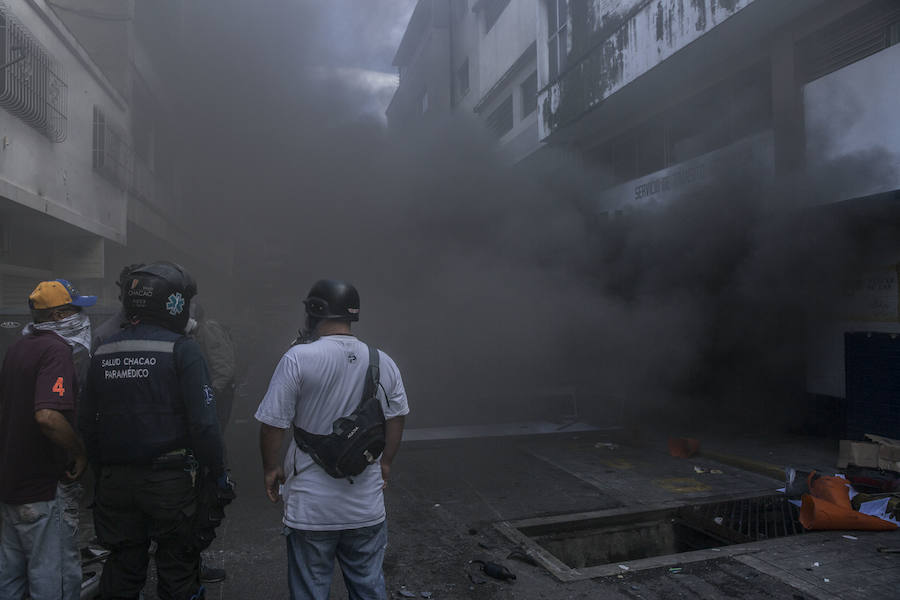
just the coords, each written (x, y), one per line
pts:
(745, 520)
(595, 544)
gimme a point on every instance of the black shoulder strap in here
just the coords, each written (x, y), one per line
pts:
(373, 375)
(306, 439)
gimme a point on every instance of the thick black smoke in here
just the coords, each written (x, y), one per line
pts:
(495, 289)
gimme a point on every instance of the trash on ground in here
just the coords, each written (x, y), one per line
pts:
(492, 569)
(675, 569)
(861, 454)
(406, 594)
(699, 470)
(826, 580)
(719, 520)
(873, 479)
(883, 506)
(795, 482)
(426, 594)
(521, 554)
(436, 505)
(624, 568)
(716, 471)
(607, 445)
(828, 507)
(815, 564)
(683, 447)
(888, 452)
(850, 537)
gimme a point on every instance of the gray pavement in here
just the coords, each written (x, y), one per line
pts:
(447, 495)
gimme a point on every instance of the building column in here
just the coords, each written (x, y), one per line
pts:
(787, 115)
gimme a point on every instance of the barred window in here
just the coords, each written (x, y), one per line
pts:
(32, 83)
(112, 154)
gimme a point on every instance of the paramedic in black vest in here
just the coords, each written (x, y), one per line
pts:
(150, 427)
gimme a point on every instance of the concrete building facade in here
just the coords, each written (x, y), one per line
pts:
(660, 98)
(472, 59)
(89, 164)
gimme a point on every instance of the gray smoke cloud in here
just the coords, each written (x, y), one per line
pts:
(494, 289)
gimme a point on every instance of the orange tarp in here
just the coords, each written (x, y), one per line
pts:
(827, 506)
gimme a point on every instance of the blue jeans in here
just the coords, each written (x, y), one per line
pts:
(359, 552)
(38, 552)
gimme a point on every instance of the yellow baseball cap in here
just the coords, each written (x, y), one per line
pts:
(56, 293)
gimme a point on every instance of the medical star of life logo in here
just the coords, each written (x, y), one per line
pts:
(175, 306)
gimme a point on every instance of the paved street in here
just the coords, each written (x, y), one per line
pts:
(448, 495)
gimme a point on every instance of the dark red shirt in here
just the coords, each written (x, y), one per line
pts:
(38, 373)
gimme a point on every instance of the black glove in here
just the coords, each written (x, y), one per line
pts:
(225, 489)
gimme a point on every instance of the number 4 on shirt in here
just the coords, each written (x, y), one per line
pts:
(59, 387)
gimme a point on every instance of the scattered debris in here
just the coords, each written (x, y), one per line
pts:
(795, 482)
(815, 564)
(492, 569)
(719, 520)
(716, 471)
(607, 445)
(850, 537)
(826, 580)
(699, 470)
(716, 549)
(426, 594)
(675, 570)
(437, 506)
(624, 568)
(521, 554)
(683, 447)
(406, 594)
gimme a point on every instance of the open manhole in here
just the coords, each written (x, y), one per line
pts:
(596, 544)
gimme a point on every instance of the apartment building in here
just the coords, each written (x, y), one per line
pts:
(89, 163)
(471, 59)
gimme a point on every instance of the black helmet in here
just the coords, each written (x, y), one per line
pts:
(332, 299)
(160, 293)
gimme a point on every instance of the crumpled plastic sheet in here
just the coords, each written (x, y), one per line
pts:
(878, 508)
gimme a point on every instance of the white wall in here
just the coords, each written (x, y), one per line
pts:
(58, 178)
(639, 34)
(510, 36)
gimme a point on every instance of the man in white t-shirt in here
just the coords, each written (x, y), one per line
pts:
(328, 519)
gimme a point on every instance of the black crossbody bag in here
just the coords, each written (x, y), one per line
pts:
(357, 440)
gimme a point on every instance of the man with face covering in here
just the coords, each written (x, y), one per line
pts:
(38, 493)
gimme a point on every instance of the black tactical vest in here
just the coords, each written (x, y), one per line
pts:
(140, 411)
